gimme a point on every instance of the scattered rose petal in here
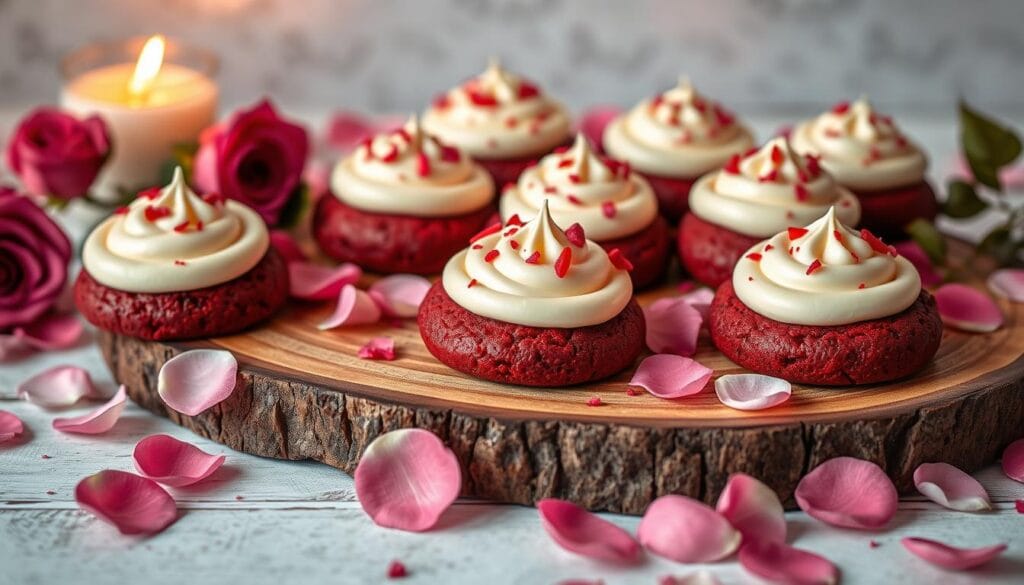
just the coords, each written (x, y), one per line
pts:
(686, 531)
(355, 307)
(594, 120)
(10, 426)
(753, 509)
(58, 387)
(195, 380)
(406, 479)
(378, 348)
(968, 309)
(397, 570)
(577, 530)
(696, 578)
(780, 563)
(400, 295)
(316, 282)
(169, 461)
(286, 246)
(752, 391)
(672, 326)
(700, 299)
(1008, 283)
(97, 421)
(135, 505)
(951, 557)
(52, 331)
(913, 252)
(1013, 460)
(950, 487)
(671, 376)
(848, 492)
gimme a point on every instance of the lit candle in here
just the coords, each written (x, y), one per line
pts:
(150, 106)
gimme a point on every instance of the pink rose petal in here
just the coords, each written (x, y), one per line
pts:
(378, 348)
(752, 391)
(968, 309)
(400, 295)
(696, 578)
(97, 421)
(58, 387)
(848, 492)
(913, 252)
(169, 461)
(135, 505)
(406, 479)
(778, 562)
(52, 331)
(593, 122)
(671, 376)
(700, 299)
(951, 557)
(577, 530)
(355, 307)
(195, 380)
(1013, 460)
(286, 246)
(1007, 283)
(753, 509)
(686, 531)
(315, 282)
(10, 426)
(672, 326)
(950, 487)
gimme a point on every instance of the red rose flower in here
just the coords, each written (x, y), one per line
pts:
(57, 155)
(255, 158)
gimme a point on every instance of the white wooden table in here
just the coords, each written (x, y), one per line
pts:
(263, 521)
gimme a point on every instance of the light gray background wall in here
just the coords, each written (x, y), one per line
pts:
(762, 56)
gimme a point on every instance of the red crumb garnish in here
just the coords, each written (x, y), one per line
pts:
(45, 456)
(594, 401)
(442, 102)
(50, 492)
(561, 149)
(768, 247)
(723, 117)
(814, 267)
(841, 108)
(514, 244)
(574, 178)
(121, 211)
(490, 256)
(181, 226)
(874, 543)
(619, 260)
(199, 226)
(551, 189)
(576, 235)
(565, 162)
(514, 220)
(756, 257)
(422, 165)
(511, 122)
(625, 170)
(493, 228)
(179, 263)
(795, 233)
(472, 282)
(478, 98)
(510, 231)
(632, 392)
(214, 199)
(832, 133)
(876, 244)
(449, 153)
(527, 90)
(478, 246)
(151, 193)
(838, 236)
(155, 213)
(391, 156)
(608, 209)
(769, 177)
(396, 570)
(777, 156)
(733, 166)
(574, 199)
(801, 192)
(403, 134)
(533, 259)
(813, 164)
(239, 498)
(861, 285)
(563, 262)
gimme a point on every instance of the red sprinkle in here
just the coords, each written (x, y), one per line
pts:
(533, 259)
(442, 102)
(769, 177)
(814, 267)
(151, 193)
(472, 282)
(565, 162)
(777, 156)
(841, 108)
(574, 199)
(801, 192)
(403, 134)
(733, 166)
(838, 235)
(155, 213)
(608, 209)
(239, 498)
(527, 90)
(391, 156)
(795, 233)
(619, 260)
(594, 401)
(769, 247)
(493, 228)
(181, 226)
(514, 244)
(490, 256)
(563, 262)
(179, 263)
(560, 149)
(574, 179)
(121, 211)
(511, 122)
(214, 199)
(874, 543)
(861, 285)
(876, 244)
(396, 570)
(514, 220)
(576, 235)
(813, 164)
(450, 153)
(632, 392)
(832, 133)
(551, 189)
(756, 257)
(481, 99)
(723, 117)
(510, 231)
(199, 226)
(478, 247)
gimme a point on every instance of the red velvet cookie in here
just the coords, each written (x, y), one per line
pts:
(673, 195)
(393, 243)
(529, 356)
(207, 312)
(887, 211)
(648, 251)
(878, 350)
(709, 251)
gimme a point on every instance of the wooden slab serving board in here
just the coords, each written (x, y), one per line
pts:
(303, 394)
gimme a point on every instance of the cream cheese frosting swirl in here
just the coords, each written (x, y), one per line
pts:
(825, 274)
(768, 190)
(679, 133)
(498, 115)
(173, 240)
(537, 275)
(578, 185)
(863, 149)
(407, 172)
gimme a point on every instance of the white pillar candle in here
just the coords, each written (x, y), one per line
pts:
(149, 107)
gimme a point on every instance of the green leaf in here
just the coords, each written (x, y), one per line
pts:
(1000, 245)
(963, 201)
(931, 241)
(293, 209)
(987, 145)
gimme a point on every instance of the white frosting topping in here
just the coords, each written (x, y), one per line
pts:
(863, 149)
(768, 190)
(407, 172)
(173, 240)
(679, 133)
(536, 275)
(825, 274)
(498, 115)
(578, 185)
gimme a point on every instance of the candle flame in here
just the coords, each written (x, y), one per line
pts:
(147, 67)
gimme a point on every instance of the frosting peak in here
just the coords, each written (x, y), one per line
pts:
(538, 275)
(825, 274)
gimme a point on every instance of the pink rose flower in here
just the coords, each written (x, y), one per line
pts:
(34, 255)
(256, 158)
(56, 154)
